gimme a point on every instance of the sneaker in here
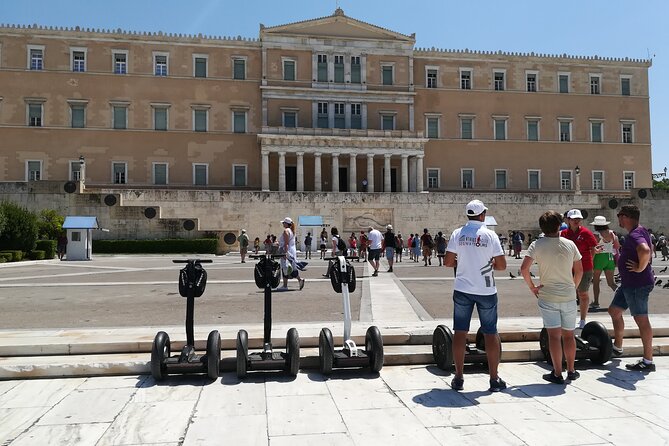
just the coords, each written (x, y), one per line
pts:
(457, 383)
(390, 270)
(573, 376)
(375, 273)
(641, 366)
(552, 378)
(301, 284)
(581, 324)
(617, 351)
(283, 288)
(497, 384)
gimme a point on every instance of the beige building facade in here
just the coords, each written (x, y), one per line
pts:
(331, 104)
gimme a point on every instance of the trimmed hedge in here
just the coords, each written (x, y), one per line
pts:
(17, 255)
(6, 256)
(48, 246)
(168, 246)
(36, 254)
(2, 259)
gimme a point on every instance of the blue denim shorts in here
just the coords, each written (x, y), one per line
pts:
(390, 253)
(636, 299)
(463, 307)
(558, 314)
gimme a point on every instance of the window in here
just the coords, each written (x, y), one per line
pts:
(76, 236)
(160, 61)
(628, 132)
(563, 82)
(465, 79)
(36, 57)
(596, 131)
(387, 122)
(595, 83)
(433, 178)
(200, 119)
(356, 70)
(356, 116)
(628, 180)
(78, 60)
(288, 70)
(532, 130)
(500, 129)
(322, 75)
(77, 116)
(160, 118)
(119, 117)
(239, 121)
(290, 119)
(339, 115)
(387, 74)
(625, 83)
(500, 84)
(119, 172)
(431, 81)
(33, 170)
(339, 69)
(120, 59)
(322, 120)
(565, 179)
(466, 128)
(531, 80)
(239, 68)
(467, 176)
(565, 130)
(239, 175)
(500, 178)
(433, 127)
(598, 179)
(160, 171)
(200, 66)
(35, 115)
(75, 170)
(533, 179)
(200, 174)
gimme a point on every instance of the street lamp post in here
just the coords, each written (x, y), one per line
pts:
(577, 188)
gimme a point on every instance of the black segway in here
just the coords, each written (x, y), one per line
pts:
(267, 274)
(442, 348)
(594, 344)
(192, 282)
(342, 278)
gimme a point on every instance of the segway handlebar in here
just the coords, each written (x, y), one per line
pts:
(192, 260)
(346, 257)
(262, 256)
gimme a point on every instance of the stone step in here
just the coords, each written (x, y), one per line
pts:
(70, 365)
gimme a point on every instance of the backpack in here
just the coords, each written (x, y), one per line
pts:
(341, 244)
(414, 243)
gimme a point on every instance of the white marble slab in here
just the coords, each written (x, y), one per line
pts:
(628, 431)
(14, 421)
(34, 393)
(310, 440)
(174, 388)
(443, 408)
(113, 382)
(351, 392)
(396, 426)
(217, 429)
(606, 385)
(6, 386)
(311, 383)
(414, 377)
(63, 434)
(652, 408)
(479, 435)
(141, 423)
(232, 398)
(303, 414)
(89, 406)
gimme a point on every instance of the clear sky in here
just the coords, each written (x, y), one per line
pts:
(609, 28)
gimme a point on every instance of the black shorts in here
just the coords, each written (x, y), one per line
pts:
(374, 254)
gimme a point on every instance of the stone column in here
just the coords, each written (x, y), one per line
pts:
(412, 174)
(317, 172)
(352, 174)
(282, 171)
(419, 173)
(370, 173)
(405, 173)
(386, 172)
(300, 171)
(265, 171)
(335, 172)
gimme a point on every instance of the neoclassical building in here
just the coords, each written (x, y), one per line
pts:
(329, 104)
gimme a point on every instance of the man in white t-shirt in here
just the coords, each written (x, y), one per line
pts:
(475, 252)
(375, 240)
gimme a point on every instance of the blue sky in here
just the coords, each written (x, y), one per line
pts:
(610, 28)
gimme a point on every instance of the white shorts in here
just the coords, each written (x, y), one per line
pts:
(558, 314)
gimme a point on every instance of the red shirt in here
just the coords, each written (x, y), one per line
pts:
(585, 241)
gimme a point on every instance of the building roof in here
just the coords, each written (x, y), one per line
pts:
(78, 222)
(310, 220)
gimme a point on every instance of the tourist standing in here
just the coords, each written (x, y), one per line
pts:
(389, 246)
(287, 246)
(243, 245)
(375, 243)
(307, 245)
(604, 260)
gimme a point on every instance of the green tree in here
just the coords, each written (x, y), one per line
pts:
(50, 224)
(3, 220)
(661, 184)
(21, 228)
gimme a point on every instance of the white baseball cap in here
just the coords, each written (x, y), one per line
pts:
(574, 213)
(474, 208)
(287, 221)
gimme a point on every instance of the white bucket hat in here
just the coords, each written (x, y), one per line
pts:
(287, 221)
(600, 221)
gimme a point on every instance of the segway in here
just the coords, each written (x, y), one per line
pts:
(342, 278)
(267, 274)
(192, 282)
(594, 344)
(442, 348)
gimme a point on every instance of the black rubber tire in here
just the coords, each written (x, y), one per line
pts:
(292, 352)
(480, 340)
(325, 351)
(242, 353)
(213, 354)
(160, 350)
(596, 335)
(374, 348)
(442, 347)
(543, 345)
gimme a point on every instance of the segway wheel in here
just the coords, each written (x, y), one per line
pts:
(292, 352)
(325, 351)
(543, 345)
(596, 335)
(442, 347)
(160, 351)
(242, 353)
(480, 340)
(213, 354)
(374, 348)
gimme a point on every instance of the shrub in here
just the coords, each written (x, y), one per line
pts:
(3, 220)
(6, 256)
(168, 246)
(20, 230)
(16, 255)
(36, 254)
(50, 224)
(48, 246)
(2, 259)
